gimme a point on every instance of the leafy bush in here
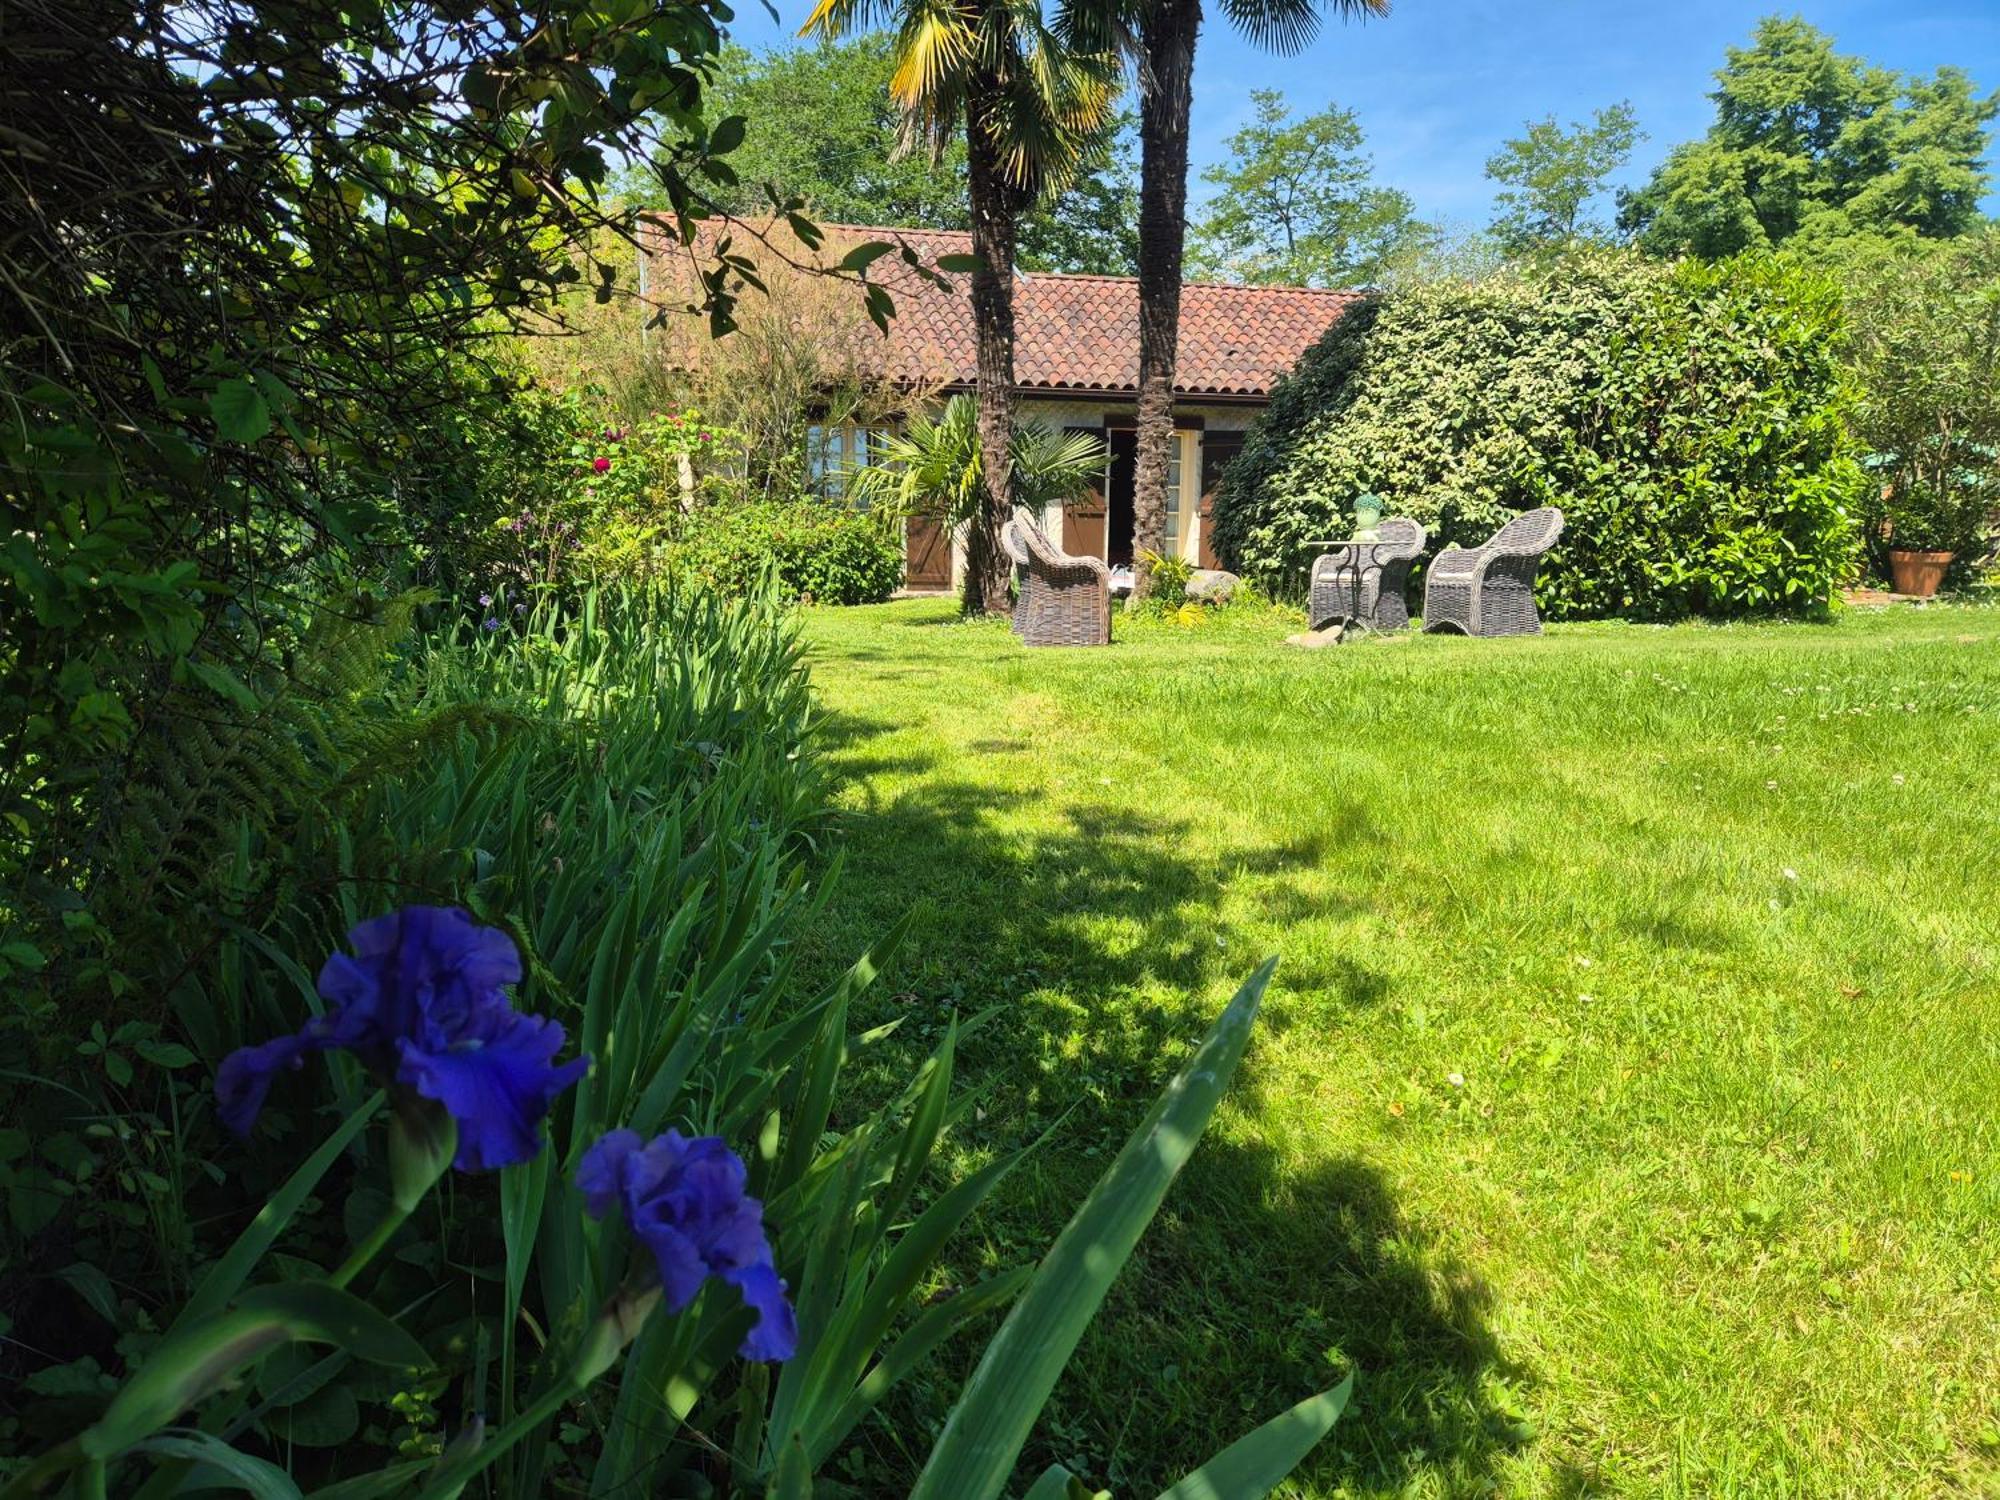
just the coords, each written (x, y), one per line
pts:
(1948, 518)
(1167, 599)
(1691, 421)
(225, 368)
(817, 549)
(1926, 319)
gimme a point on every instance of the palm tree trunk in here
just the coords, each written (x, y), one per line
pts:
(1167, 37)
(995, 207)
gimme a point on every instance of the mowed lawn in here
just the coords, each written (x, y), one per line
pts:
(1624, 1110)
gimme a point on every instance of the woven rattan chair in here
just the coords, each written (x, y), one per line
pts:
(1066, 600)
(1385, 568)
(1490, 589)
(1027, 589)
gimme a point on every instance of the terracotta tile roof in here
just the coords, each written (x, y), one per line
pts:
(1080, 333)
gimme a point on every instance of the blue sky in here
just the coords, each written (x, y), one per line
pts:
(1440, 83)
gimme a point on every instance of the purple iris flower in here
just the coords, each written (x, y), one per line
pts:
(685, 1203)
(492, 623)
(422, 1002)
(485, 599)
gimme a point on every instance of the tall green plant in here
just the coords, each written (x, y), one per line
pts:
(1032, 101)
(933, 468)
(1926, 343)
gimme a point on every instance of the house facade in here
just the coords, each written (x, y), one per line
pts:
(1076, 363)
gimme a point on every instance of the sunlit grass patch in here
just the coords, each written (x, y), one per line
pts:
(1622, 1108)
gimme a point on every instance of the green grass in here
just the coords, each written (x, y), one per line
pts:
(1624, 1109)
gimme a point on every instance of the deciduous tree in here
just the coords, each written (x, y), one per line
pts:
(1814, 144)
(1297, 205)
(821, 125)
(1550, 175)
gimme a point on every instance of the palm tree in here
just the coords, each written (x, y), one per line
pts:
(933, 469)
(1165, 45)
(1031, 105)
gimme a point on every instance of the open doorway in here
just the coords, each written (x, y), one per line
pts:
(1124, 445)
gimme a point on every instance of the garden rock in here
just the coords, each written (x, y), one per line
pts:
(1212, 586)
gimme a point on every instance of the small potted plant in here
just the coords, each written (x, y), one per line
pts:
(1927, 526)
(1367, 517)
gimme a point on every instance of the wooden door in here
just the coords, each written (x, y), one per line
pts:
(1083, 521)
(926, 554)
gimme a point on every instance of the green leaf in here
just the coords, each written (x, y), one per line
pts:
(168, 1055)
(94, 1287)
(1251, 1466)
(23, 955)
(229, 1273)
(222, 682)
(320, 1312)
(227, 1468)
(964, 264)
(326, 1419)
(240, 412)
(727, 135)
(982, 1439)
(864, 255)
(794, 1477)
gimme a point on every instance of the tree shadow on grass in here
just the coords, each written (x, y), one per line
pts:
(1299, 1273)
(1094, 937)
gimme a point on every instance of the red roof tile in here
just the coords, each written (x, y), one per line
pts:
(1079, 333)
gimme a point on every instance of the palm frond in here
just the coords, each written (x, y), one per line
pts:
(836, 18)
(932, 468)
(1288, 26)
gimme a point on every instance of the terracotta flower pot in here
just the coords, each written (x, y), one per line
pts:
(1917, 573)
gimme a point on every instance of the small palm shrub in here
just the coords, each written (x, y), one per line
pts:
(932, 468)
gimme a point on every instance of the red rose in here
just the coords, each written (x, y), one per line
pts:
(600, 464)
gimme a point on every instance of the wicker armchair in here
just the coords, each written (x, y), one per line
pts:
(1027, 588)
(1065, 601)
(1378, 598)
(1490, 589)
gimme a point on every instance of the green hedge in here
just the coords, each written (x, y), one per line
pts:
(1690, 419)
(823, 551)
